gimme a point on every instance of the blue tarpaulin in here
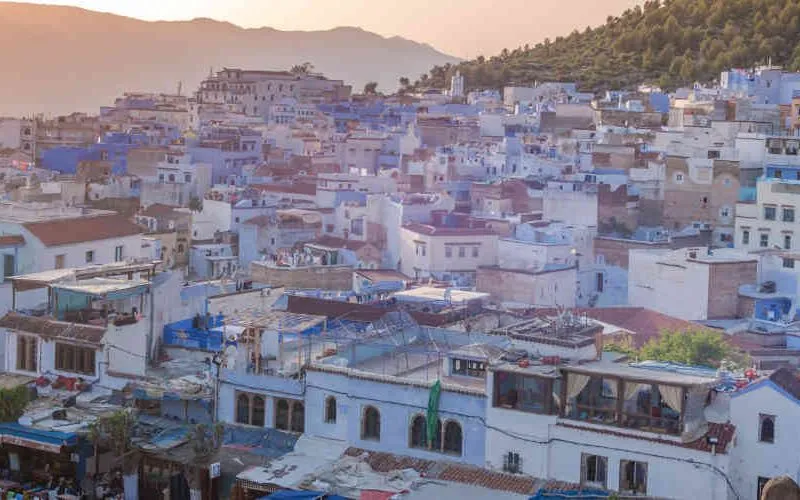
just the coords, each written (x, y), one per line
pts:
(582, 494)
(14, 433)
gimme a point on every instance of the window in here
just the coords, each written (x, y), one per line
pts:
(236, 220)
(250, 409)
(766, 428)
(243, 409)
(27, 353)
(462, 252)
(679, 178)
(289, 415)
(59, 263)
(119, 253)
(469, 368)
(282, 415)
(475, 253)
(420, 249)
(89, 256)
(788, 263)
(593, 470)
(371, 424)
(713, 154)
(298, 417)
(763, 240)
(419, 432)
(526, 393)
(71, 358)
(787, 241)
(330, 410)
(257, 417)
(632, 477)
(599, 283)
(448, 252)
(769, 213)
(762, 483)
(725, 212)
(788, 214)
(9, 265)
(745, 237)
(512, 463)
(453, 438)
(187, 177)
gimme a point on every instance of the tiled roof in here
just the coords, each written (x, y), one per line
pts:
(514, 483)
(11, 239)
(294, 188)
(646, 324)
(334, 242)
(82, 229)
(46, 327)
(448, 471)
(787, 380)
(723, 432)
(447, 231)
(157, 210)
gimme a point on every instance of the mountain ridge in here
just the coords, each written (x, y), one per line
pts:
(67, 58)
(670, 43)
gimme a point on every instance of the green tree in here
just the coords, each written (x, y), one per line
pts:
(699, 348)
(371, 88)
(13, 402)
(196, 204)
(302, 69)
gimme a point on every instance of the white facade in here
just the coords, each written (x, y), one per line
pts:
(753, 458)
(446, 256)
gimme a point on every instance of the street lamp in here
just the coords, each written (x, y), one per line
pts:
(218, 359)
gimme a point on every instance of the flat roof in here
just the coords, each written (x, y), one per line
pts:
(429, 293)
(102, 286)
(647, 371)
(276, 320)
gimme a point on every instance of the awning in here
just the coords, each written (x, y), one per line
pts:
(36, 439)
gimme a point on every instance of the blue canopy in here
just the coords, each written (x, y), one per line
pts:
(582, 494)
(30, 437)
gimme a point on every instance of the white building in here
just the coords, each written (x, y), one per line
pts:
(39, 237)
(690, 283)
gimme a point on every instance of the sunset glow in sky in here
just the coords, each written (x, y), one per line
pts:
(463, 28)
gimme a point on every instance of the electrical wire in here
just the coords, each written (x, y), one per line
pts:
(482, 420)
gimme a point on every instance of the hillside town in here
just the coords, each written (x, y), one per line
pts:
(273, 285)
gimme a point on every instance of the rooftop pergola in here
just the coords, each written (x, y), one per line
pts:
(72, 277)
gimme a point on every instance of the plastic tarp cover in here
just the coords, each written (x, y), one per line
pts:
(583, 494)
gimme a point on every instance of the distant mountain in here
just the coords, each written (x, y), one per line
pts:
(669, 43)
(60, 59)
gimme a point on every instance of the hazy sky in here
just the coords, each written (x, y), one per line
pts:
(463, 28)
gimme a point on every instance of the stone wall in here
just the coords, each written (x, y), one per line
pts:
(322, 277)
(723, 287)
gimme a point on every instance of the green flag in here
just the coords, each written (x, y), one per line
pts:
(433, 412)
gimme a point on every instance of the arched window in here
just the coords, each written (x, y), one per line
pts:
(371, 424)
(258, 411)
(766, 431)
(282, 415)
(243, 409)
(298, 417)
(452, 438)
(330, 410)
(419, 432)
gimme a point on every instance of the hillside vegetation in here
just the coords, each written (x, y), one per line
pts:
(668, 43)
